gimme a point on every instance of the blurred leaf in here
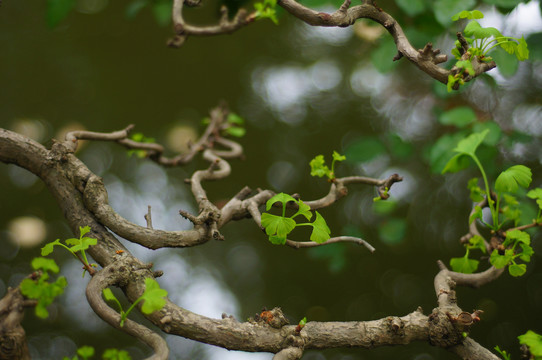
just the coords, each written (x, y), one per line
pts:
(338, 157)
(477, 214)
(382, 56)
(460, 116)
(475, 14)
(384, 207)
(445, 9)
(526, 252)
(398, 147)
(469, 145)
(392, 231)
(520, 236)
(364, 149)
(236, 131)
(441, 151)
(457, 163)
(411, 7)
(334, 255)
(135, 7)
(162, 12)
(85, 352)
(116, 354)
(507, 65)
(318, 167)
(57, 10)
(494, 134)
(509, 4)
(477, 242)
(536, 194)
(535, 45)
(476, 193)
(44, 264)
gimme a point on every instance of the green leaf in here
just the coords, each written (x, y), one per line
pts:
(85, 352)
(457, 163)
(236, 131)
(537, 195)
(508, 4)
(477, 214)
(83, 231)
(44, 292)
(320, 231)
(441, 151)
(153, 296)
(476, 31)
(476, 193)
(526, 252)
(304, 210)
(384, 207)
(162, 12)
(235, 119)
(282, 198)
(277, 240)
(522, 52)
(476, 242)
(48, 248)
(83, 244)
(517, 270)
(466, 65)
(533, 341)
(108, 295)
(469, 145)
(338, 157)
(277, 225)
(507, 65)
(382, 56)
(460, 116)
(517, 235)
(115, 354)
(444, 8)
(58, 10)
(503, 353)
(509, 179)
(500, 261)
(464, 265)
(494, 134)
(41, 263)
(318, 167)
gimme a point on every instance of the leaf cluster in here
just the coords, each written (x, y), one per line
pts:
(153, 299)
(87, 352)
(517, 242)
(533, 342)
(278, 227)
(41, 289)
(482, 41)
(139, 137)
(77, 245)
(320, 169)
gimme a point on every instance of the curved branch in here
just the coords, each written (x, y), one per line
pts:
(333, 240)
(104, 279)
(472, 280)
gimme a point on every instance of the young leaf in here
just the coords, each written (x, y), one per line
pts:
(235, 119)
(537, 195)
(320, 231)
(48, 248)
(83, 231)
(236, 131)
(318, 167)
(304, 210)
(282, 198)
(85, 352)
(338, 157)
(464, 264)
(500, 261)
(522, 52)
(476, 242)
(460, 116)
(526, 253)
(277, 240)
(518, 235)
(469, 145)
(509, 179)
(457, 163)
(477, 214)
(153, 297)
(533, 341)
(476, 193)
(41, 263)
(277, 225)
(109, 296)
(503, 353)
(116, 354)
(517, 270)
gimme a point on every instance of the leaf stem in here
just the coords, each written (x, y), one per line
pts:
(490, 201)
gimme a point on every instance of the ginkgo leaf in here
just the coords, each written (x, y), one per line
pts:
(282, 198)
(277, 225)
(154, 297)
(464, 265)
(304, 210)
(318, 167)
(509, 179)
(320, 230)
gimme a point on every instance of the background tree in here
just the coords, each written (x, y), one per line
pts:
(296, 105)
